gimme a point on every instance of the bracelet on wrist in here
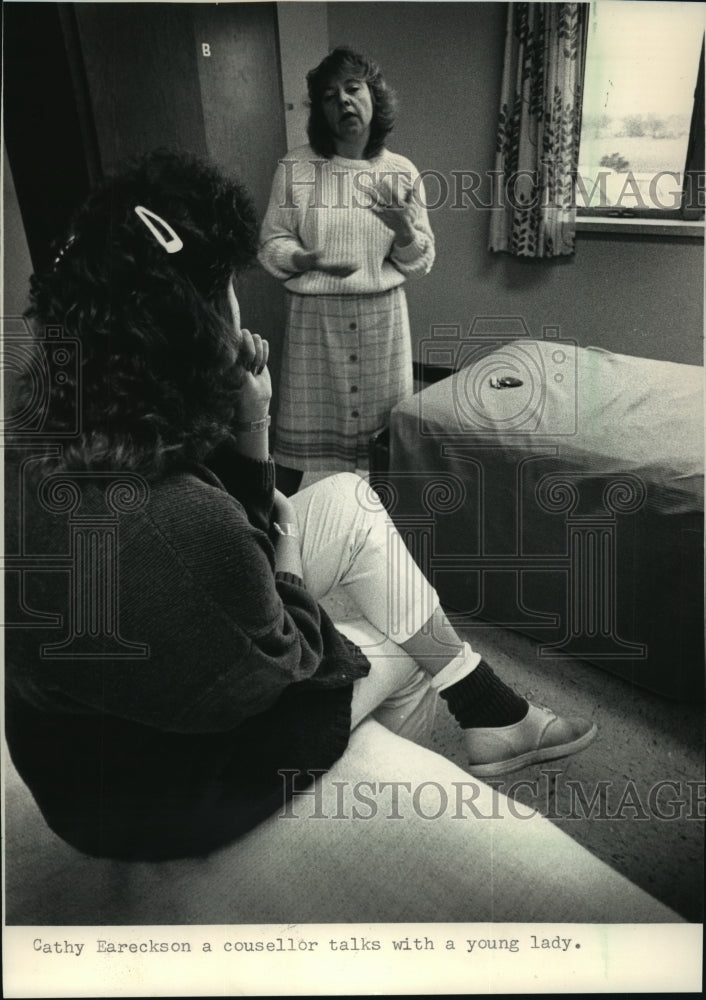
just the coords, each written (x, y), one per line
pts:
(286, 528)
(252, 426)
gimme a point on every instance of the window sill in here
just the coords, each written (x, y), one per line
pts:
(680, 228)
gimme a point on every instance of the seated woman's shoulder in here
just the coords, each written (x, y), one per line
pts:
(193, 509)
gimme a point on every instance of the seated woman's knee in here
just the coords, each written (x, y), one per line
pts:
(354, 487)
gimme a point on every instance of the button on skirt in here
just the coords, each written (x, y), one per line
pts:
(347, 360)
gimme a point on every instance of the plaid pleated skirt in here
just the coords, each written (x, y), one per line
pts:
(347, 360)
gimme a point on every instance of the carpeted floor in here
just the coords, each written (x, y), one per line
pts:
(636, 797)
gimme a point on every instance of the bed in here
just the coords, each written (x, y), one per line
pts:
(558, 491)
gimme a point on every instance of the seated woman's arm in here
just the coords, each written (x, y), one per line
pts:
(242, 462)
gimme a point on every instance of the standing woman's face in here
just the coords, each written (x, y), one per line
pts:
(348, 108)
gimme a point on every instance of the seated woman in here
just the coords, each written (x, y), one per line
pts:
(207, 667)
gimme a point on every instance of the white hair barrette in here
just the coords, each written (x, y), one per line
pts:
(172, 244)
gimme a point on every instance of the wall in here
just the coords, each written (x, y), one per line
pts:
(17, 265)
(631, 295)
(17, 268)
(303, 35)
(48, 145)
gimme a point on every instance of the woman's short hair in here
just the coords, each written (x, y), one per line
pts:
(153, 328)
(342, 61)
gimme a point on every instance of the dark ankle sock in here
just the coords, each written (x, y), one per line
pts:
(481, 699)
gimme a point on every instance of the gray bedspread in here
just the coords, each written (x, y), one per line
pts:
(569, 507)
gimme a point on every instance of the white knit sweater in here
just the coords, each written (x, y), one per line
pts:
(319, 204)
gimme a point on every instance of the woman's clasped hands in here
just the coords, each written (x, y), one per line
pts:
(310, 260)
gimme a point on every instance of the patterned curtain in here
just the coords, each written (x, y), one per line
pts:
(534, 213)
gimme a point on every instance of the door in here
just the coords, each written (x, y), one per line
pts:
(243, 115)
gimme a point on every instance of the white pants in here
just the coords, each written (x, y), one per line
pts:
(350, 545)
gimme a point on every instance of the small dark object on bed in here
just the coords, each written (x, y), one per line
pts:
(505, 382)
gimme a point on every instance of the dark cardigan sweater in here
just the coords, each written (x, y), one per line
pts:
(177, 752)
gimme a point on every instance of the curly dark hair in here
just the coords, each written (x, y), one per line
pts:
(157, 379)
(345, 60)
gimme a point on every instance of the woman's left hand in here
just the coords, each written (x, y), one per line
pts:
(395, 212)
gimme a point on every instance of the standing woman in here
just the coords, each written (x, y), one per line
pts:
(345, 227)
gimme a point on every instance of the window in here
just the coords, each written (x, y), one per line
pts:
(642, 132)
